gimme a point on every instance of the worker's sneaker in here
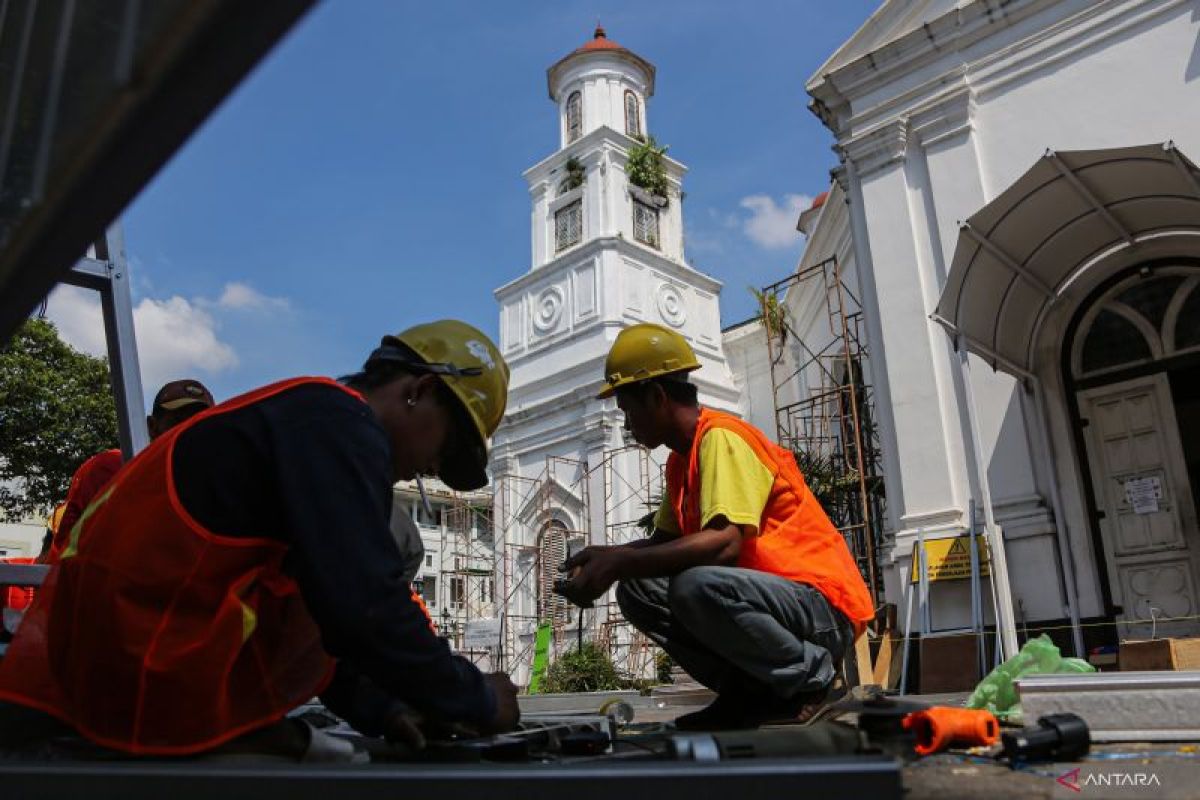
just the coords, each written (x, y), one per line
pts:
(810, 706)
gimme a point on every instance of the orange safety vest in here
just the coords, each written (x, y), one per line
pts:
(795, 538)
(153, 635)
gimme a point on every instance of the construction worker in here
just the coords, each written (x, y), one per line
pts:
(243, 563)
(175, 402)
(745, 582)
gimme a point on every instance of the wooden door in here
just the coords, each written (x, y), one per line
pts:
(1148, 519)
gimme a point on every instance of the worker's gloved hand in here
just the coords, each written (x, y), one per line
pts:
(403, 725)
(508, 713)
(592, 571)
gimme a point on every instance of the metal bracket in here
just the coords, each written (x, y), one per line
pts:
(108, 274)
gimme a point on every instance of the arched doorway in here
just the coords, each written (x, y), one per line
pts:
(1132, 362)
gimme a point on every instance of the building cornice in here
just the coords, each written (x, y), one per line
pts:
(877, 148)
(601, 138)
(1077, 26)
(949, 33)
(946, 117)
(635, 250)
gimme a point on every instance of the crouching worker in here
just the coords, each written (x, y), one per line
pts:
(243, 563)
(745, 582)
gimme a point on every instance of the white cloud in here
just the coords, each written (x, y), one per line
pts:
(243, 297)
(175, 337)
(770, 225)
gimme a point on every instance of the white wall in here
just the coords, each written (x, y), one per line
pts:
(932, 127)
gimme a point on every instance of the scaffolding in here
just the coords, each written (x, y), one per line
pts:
(534, 534)
(467, 573)
(824, 405)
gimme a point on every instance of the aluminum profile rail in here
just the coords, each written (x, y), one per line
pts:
(1119, 706)
(876, 777)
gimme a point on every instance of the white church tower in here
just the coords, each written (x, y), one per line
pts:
(606, 254)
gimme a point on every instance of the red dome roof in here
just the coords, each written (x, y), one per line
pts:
(599, 42)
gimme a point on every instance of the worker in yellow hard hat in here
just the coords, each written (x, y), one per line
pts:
(745, 582)
(244, 563)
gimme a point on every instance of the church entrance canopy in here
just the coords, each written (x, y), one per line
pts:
(1027, 250)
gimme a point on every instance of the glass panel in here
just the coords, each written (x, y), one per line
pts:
(1111, 341)
(645, 224)
(1149, 297)
(1187, 328)
(568, 225)
(574, 116)
(633, 121)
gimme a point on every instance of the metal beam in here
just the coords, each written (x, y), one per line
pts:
(124, 369)
(1090, 196)
(108, 274)
(88, 273)
(981, 349)
(1005, 259)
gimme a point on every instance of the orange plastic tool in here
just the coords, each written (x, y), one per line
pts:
(941, 727)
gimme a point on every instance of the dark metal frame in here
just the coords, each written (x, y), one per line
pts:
(162, 95)
(848, 776)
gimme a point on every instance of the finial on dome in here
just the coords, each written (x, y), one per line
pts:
(599, 34)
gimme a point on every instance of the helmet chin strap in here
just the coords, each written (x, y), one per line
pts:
(424, 497)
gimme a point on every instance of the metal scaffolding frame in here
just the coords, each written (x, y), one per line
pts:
(467, 572)
(830, 426)
(525, 512)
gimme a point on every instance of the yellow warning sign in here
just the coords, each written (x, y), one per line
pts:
(950, 559)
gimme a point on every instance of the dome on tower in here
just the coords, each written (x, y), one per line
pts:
(600, 44)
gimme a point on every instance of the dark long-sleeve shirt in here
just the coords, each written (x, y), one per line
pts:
(311, 467)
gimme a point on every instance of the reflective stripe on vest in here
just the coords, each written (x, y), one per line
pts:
(154, 635)
(795, 538)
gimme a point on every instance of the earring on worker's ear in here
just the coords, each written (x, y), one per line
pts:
(412, 402)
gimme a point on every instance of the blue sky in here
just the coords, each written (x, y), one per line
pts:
(367, 175)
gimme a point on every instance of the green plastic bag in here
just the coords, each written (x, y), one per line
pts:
(997, 692)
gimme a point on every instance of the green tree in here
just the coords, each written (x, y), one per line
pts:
(56, 410)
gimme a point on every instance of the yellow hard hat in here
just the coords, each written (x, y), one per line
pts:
(645, 351)
(471, 366)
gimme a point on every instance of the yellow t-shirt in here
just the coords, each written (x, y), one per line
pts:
(734, 483)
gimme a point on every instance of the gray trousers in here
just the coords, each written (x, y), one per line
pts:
(724, 623)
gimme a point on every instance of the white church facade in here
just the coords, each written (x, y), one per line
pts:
(1016, 203)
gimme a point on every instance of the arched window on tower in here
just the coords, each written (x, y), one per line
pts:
(633, 115)
(574, 116)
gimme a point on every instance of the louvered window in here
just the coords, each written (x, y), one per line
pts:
(552, 552)
(568, 225)
(633, 115)
(574, 116)
(645, 223)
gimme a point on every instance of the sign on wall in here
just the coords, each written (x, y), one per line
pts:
(481, 634)
(950, 559)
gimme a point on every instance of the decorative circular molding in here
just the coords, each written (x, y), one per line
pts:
(670, 305)
(547, 310)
